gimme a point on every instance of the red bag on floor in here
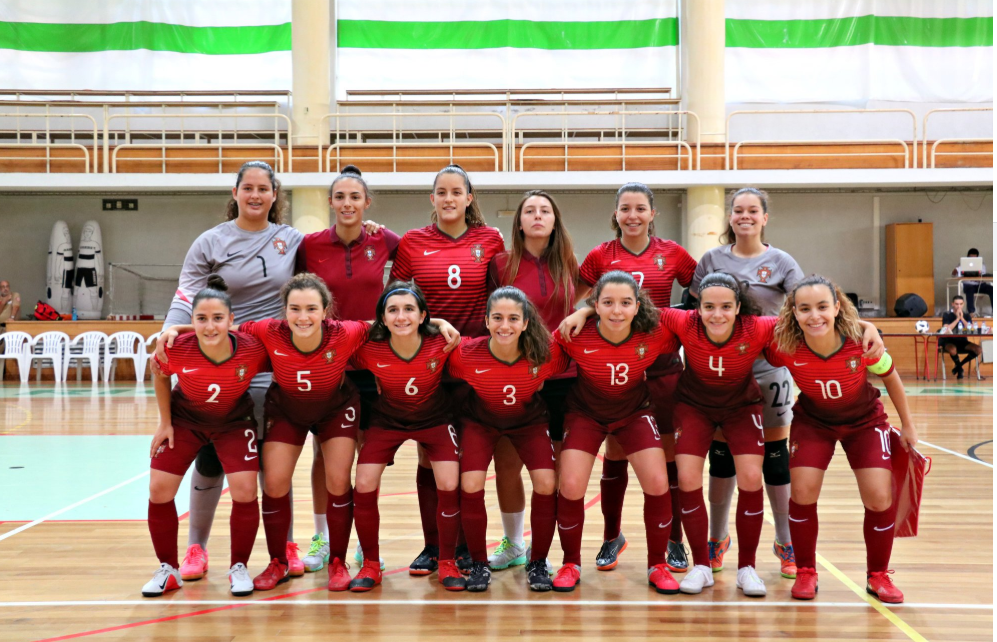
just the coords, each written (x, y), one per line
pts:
(909, 469)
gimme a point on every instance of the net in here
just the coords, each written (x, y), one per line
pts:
(135, 288)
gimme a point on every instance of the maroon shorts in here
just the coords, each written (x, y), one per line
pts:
(477, 445)
(742, 428)
(662, 391)
(236, 450)
(342, 422)
(635, 433)
(381, 444)
(866, 443)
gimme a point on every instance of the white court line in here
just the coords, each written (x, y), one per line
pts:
(665, 602)
(71, 507)
(952, 452)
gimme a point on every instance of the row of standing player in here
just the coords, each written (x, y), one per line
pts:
(541, 240)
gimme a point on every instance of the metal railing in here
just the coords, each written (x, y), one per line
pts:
(278, 155)
(48, 145)
(924, 133)
(935, 152)
(395, 158)
(737, 147)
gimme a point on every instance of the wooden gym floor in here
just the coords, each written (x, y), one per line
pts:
(75, 551)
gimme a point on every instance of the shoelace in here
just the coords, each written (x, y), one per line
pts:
(317, 544)
(785, 552)
(503, 546)
(292, 548)
(883, 575)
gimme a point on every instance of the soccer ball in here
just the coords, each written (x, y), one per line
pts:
(922, 326)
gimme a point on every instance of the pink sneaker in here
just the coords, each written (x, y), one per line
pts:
(195, 563)
(295, 567)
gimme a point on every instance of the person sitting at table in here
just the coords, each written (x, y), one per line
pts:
(10, 304)
(958, 321)
(971, 288)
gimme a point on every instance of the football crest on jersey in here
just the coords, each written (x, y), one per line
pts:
(792, 449)
(535, 371)
(369, 252)
(659, 260)
(432, 364)
(641, 350)
(240, 371)
(280, 245)
(764, 273)
(742, 348)
(477, 252)
(853, 364)
(329, 355)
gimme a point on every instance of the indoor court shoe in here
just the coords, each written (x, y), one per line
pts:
(805, 586)
(678, 559)
(426, 562)
(662, 581)
(463, 558)
(195, 563)
(698, 578)
(880, 585)
(609, 554)
(241, 583)
(275, 573)
(567, 578)
(717, 550)
(450, 576)
(358, 557)
(749, 582)
(339, 577)
(787, 559)
(507, 554)
(529, 556)
(318, 554)
(368, 577)
(480, 577)
(295, 567)
(538, 577)
(166, 578)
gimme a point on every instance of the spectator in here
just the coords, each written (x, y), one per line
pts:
(958, 321)
(971, 288)
(10, 304)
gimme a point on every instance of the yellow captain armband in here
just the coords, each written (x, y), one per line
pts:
(883, 366)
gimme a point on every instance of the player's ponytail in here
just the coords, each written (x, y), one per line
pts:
(216, 288)
(379, 331)
(351, 171)
(472, 215)
(534, 341)
(789, 334)
(647, 317)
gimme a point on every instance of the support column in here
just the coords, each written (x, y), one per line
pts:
(704, 219)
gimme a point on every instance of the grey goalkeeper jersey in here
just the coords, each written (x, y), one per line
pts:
(769, 276)
(254, 265)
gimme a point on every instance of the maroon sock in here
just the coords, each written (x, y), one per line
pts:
(368, 521)
(673, 492)
(276, 521)
(879, 531)
(474, 519)
(750, 516)
(339, 515)
(657, 525)
(243, 524)
(425, 485)
(697, 525)
(448, 522)
(163, 527)
(542, 523)
(613, 485)
(570, 521)
(803, 526)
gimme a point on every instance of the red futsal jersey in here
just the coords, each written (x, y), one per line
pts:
(534, 278)
(611, 383)
(410, 396)
(718, 376)
(211, 397)
(504, 393)
(833, 389)
(307, 386)
(452, 272)
(354, 272)
(660, 264)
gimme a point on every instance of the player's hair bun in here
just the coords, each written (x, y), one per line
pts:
(216, 282)
(352, 169)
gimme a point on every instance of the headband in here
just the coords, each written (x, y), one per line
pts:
(719, 284)
(397, 290)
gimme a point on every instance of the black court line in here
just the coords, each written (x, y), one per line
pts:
(972, 450)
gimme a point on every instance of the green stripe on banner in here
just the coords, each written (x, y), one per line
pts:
(520, 34)
(155, 36)
(861, 30)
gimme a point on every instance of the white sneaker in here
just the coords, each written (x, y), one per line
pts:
(698, 578)
(358, 557)
(166, 578)
(509, 554)
(318, 554)
(242, 584)
(749, 582)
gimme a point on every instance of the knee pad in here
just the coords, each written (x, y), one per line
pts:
(207, 462)
(721, 461)
(775, 467)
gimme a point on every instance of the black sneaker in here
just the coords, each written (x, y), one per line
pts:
(463, 557)
(538, 577)
(480, 577)
(677, 560)
(609, 554)
(426, 562)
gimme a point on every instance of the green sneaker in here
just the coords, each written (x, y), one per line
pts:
(318, 554)
(358, 557)
(507, 554)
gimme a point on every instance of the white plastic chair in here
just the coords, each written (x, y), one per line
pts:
(88, 346)
(16, 346)
(125, 345)
(53, 347)
(150, 345)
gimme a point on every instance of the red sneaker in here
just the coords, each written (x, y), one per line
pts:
(450, 576)
(368, 577)
(275, 573)
(295, 567)
(339, 577)
(568, 577)
(879, 584)
(805, 586)
(662, 581)
(195, 563)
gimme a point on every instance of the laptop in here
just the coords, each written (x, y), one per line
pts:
(971, 265)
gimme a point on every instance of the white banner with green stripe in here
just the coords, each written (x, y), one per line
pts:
(783, 51)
